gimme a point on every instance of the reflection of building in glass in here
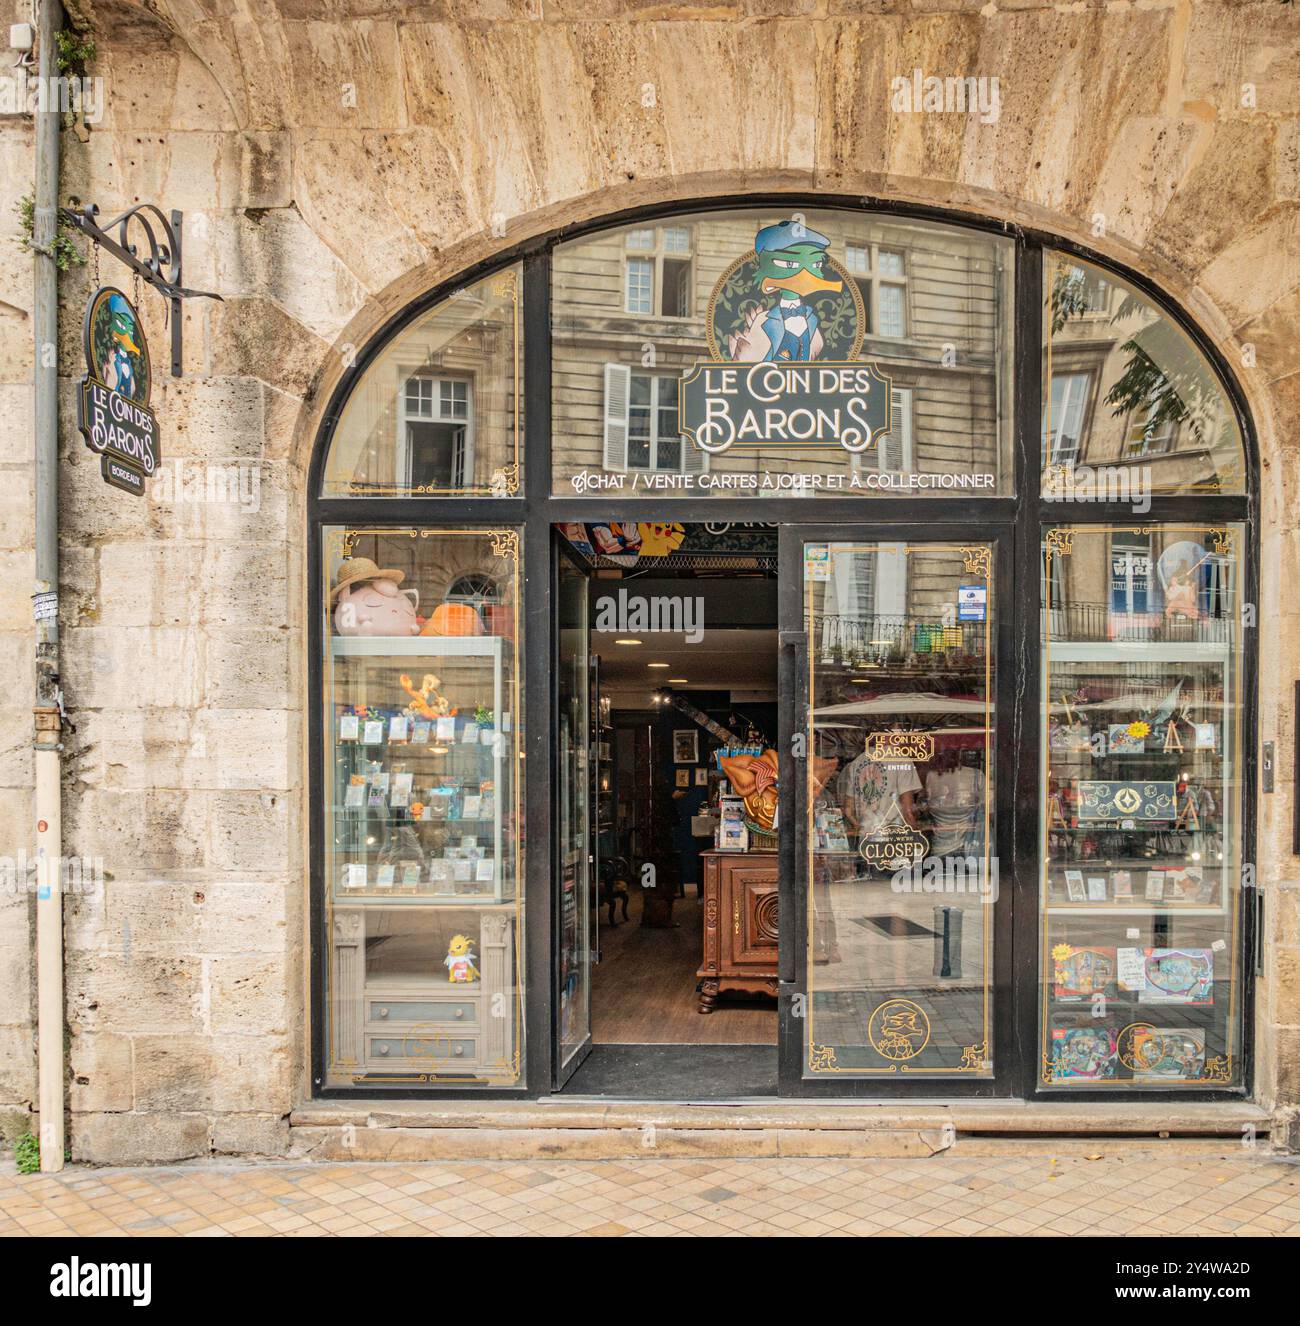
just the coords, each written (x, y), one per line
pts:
(1124, 386)
(629, 320)
(437, 411)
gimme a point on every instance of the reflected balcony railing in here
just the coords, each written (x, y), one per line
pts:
(867, 641)
(1084, 622)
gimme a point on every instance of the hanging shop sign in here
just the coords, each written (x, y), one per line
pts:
(784, 326)
(892, 845)
(113, 411)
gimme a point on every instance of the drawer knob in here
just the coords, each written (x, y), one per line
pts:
(383, 1012)
(459, 1050)
(383, 1049)
(460, 1012)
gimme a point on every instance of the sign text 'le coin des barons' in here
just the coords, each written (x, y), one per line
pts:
(113, 411)
(784, 404)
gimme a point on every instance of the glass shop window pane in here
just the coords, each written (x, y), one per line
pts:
(1156, 396)
(1140, 947)
(806, 297)
(462, 363)
(424, 835)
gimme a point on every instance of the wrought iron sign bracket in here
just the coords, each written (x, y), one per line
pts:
(159, 239)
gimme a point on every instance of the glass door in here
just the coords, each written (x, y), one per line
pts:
(573, 828)
(895, 718)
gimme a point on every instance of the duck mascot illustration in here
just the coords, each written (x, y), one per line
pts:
(791, 264)
(118, 364)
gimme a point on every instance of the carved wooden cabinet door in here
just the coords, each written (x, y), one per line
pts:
(752, 912)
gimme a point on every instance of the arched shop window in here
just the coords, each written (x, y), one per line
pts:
(883, 365)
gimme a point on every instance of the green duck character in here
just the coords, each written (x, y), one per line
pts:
(792, 264)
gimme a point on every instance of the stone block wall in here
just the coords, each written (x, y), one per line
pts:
(333, 167)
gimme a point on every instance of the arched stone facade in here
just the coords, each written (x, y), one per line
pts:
(333, 169)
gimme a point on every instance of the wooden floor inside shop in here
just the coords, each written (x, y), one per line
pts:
(643, 990)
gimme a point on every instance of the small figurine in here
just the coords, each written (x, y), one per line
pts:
(427, 702)
(460, 960)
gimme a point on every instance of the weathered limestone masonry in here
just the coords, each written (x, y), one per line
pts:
(331, 168)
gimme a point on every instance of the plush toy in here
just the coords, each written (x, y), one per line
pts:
(460, 960)
(367, 600)
(454, 619)
(428, 701)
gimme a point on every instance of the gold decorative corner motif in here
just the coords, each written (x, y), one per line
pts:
(1225, 542)
(821, 1058)
(1060, 542)
(1048, 1067)
(977, 561)
(505, 543)
(1058, 474)
(1218, 1069)
(505, 285)
(505, 481)
(975, 1058)
(350, 537)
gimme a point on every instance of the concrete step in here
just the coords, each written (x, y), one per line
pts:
(504, 1130)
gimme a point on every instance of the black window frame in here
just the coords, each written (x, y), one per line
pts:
(536, 509)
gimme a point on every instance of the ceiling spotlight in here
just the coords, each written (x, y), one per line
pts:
(678, 681)
(658, 665)
(627, 642)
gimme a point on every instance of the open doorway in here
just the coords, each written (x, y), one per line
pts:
(675, 944)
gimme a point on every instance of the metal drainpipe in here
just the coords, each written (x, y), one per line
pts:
(46, 736)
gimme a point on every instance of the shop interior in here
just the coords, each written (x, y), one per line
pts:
(672, 709)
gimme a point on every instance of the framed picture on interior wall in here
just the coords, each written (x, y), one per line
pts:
(683, 778)
(686, 745)
(701, 778)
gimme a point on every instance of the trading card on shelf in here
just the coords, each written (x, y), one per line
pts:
(373, 734)
(446, 728)
(1178, 976)
(398, 728)
(355, 797)
(1097, 889)
(1074, 886)
(379, 790)
(420, 732)
(485, 870)
(354, 875)
(1159, 1054)
(1155, 886)
(1121, 882)
(1080, 1050)
(385, 875)
(410, 874)
(462, 870)
(1206, 736)
(1082, 973)
(349, 726)
(472, 806)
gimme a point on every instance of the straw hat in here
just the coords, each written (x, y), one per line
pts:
(353, 569)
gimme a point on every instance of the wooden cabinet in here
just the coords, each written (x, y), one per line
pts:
(740, 924)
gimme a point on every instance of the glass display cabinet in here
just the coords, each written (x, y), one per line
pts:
(421, 863)
(1140, 970)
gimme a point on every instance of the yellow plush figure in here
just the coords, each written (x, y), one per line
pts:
(460, 960)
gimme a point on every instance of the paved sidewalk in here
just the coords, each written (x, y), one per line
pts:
(1174, 1193)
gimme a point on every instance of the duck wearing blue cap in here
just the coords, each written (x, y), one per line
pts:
(123, 334)
(791, 264)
